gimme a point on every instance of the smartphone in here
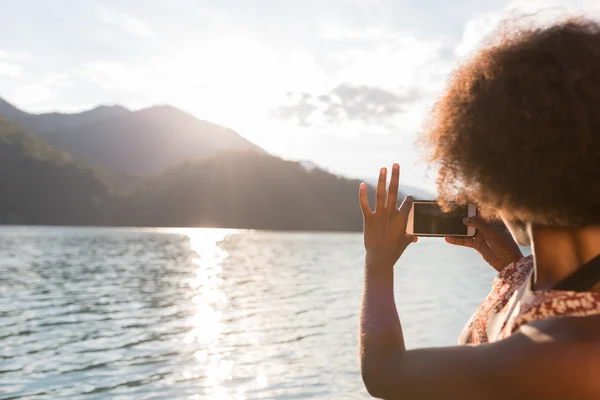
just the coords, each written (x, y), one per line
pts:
(426, 218)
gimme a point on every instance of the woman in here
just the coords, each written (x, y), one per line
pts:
(518, 131)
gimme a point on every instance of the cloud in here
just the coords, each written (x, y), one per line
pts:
(125, 22)
(386, 57)
(33, 95)
(522, 12)
(333, 32)
(20, 56)
(11, 63)
(300, 111)
(115, 76)
(10, 69)
(44, 90)
(346, 103)
(377, 76)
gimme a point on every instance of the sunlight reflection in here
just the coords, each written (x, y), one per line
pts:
(262, 381)
(207, 321)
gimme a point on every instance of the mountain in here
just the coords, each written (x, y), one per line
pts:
(308, 165)
(196, 174)
(248, 190)
(44, 186)
(9, 111)
(135, 143)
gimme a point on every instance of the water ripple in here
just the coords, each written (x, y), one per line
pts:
(206, 314)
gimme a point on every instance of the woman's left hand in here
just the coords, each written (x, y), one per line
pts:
(385, 228)
(495, 244)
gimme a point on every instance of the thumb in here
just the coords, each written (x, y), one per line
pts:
(459, 241)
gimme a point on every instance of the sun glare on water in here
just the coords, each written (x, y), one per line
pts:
(213, 363)
(207, 321)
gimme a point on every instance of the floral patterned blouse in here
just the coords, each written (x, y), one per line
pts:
(512, 304)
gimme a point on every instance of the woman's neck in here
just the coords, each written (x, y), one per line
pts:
(558, 252)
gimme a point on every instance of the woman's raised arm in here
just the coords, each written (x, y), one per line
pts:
(552, 359)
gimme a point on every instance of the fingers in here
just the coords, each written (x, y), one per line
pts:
(466, 242)
(405, 210)
(393, 190)
(412, 238)
(364, 200)
(380, 196)
(483, 226)
(479, 242)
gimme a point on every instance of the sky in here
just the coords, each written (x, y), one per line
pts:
(345, 84)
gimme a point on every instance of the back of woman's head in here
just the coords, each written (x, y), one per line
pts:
(518, 128)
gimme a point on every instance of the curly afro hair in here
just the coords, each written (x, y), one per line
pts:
(518, 127)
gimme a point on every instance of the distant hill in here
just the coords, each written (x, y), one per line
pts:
(44, 186)
(41, 185)
(196, 174)
(131, 143)
(248, 190)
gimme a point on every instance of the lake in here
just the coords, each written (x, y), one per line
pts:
(102, 313)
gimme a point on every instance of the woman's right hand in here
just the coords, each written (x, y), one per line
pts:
(496, 245)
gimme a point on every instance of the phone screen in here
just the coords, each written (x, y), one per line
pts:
(429, 219)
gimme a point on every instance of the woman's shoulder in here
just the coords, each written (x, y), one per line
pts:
(571, 329)
(552, 304)
(557, 358)
(552, 358)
